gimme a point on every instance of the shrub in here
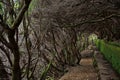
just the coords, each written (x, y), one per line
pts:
(111, 53)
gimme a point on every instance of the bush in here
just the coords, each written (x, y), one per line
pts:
(115, 44)
(111, 53)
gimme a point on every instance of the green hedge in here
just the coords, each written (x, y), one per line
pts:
(111, 53)
(115, 44)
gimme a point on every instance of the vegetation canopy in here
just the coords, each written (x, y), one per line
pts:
(40, 39)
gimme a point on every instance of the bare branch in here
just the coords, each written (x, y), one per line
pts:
(93, 21)
(20, 16)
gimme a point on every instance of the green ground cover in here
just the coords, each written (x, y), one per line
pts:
(111, 51)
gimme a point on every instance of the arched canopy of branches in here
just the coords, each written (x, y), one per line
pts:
(93, 16)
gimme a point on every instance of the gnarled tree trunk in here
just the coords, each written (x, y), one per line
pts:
(3, 73)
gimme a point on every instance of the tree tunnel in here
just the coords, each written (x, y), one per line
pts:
(45, 37)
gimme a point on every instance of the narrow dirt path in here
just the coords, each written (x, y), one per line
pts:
(85, 71)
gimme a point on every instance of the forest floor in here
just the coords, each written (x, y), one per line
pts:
(84, 71)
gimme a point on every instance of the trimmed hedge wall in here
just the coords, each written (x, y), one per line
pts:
(111, 53)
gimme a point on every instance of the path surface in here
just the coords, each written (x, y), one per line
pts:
(85, 71)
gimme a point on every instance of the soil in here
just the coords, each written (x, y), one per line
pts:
(84, 71)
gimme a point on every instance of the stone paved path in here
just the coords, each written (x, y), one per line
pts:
(85, 71)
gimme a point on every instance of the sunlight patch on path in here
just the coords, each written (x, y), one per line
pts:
(85, 71)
